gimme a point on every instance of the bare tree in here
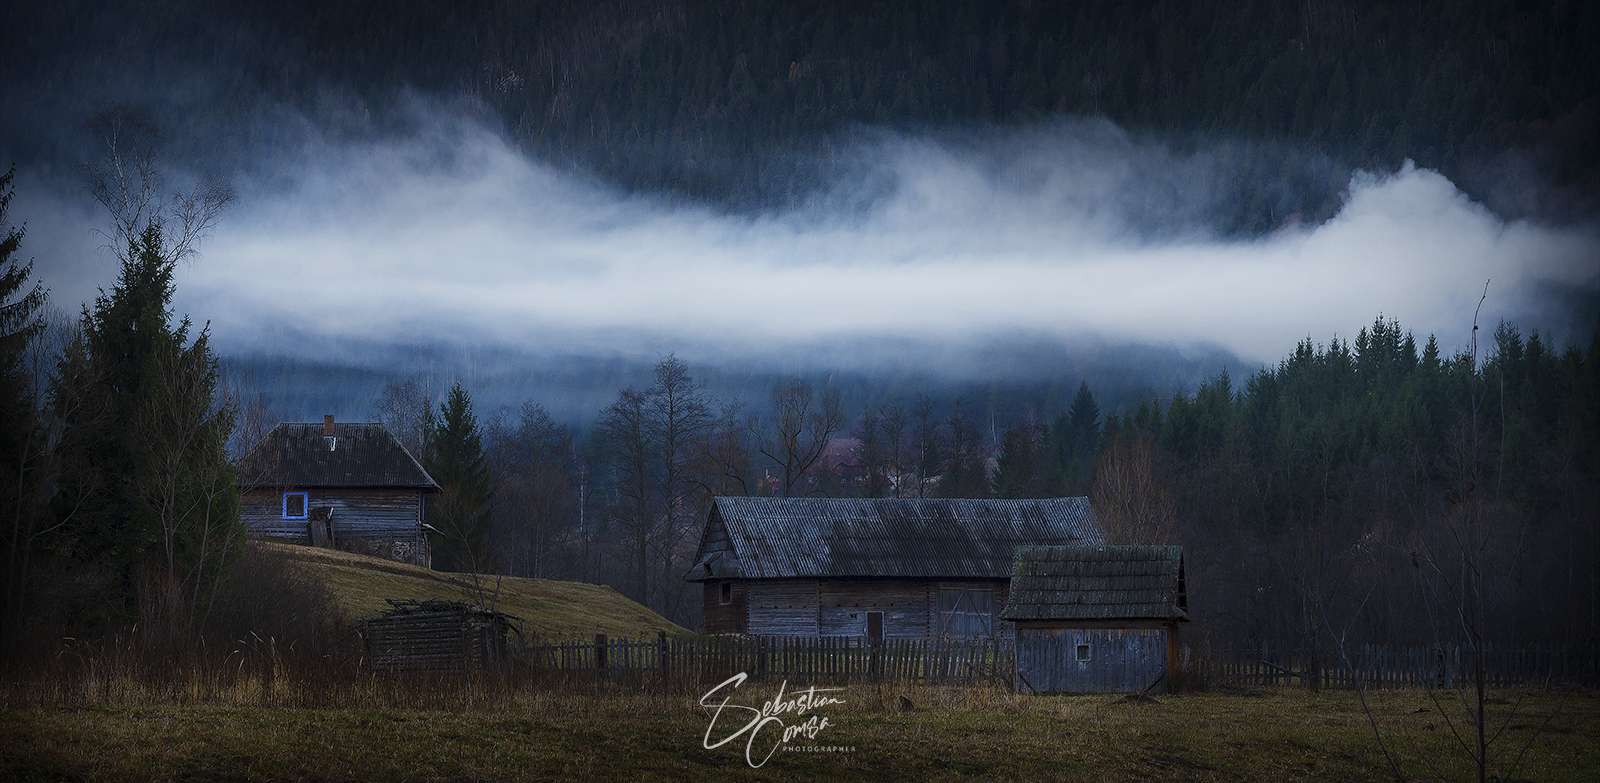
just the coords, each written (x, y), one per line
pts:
(800, 430)
(925, 448)
(625, 431)
(874, 454)
(892, 423)
(964, 472)
(406, 410)
(1023, 470)
(726, 452)
(655, 445)
(536, 504)
(1132, 499)
(255, 415)
(127, 181)
(680, 418)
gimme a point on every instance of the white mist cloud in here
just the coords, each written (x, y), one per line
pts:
(452, 235)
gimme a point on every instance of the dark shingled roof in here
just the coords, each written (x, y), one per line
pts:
(779, 538)
(1097, 583)
(363, 455)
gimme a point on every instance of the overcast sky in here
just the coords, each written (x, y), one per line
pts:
(449, 234)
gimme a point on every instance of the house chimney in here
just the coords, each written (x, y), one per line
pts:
(327, 424)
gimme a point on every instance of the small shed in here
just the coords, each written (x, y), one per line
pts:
(1096, 619)
(436, 637)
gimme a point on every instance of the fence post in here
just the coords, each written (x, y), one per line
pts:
(600, 652)
(662, 654)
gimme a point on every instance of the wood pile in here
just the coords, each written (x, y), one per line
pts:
(436, 637)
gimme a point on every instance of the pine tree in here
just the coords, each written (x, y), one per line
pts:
(145, 488)
(22, 445)
(1074, 437)
(460, 512)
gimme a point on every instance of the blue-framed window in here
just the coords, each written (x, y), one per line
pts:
(294, 506)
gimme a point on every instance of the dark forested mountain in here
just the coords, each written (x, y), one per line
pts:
(745, 103)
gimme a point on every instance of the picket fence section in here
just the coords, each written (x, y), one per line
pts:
(824, 659)
(846, 659)
(1395, 666)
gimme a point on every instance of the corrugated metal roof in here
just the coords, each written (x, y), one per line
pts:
(361, 455)
(1097, 583)
(783, 538)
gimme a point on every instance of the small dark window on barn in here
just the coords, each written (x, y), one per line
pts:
(294, 505)
(727, 593)
(1083, 653)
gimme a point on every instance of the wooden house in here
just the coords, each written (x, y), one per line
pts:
(1096, 619)
(879, 569)
(349, 486)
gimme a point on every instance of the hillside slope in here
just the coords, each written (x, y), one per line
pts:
(550, 609)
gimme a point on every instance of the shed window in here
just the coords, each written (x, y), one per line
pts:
(1083, 653)
(294, 505)
(727, 593)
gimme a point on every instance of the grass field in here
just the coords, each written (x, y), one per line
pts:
(549, 609)
(113, 711)
(610, 731)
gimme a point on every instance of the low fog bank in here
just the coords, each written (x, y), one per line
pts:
(1009, 379)
(1065, 236)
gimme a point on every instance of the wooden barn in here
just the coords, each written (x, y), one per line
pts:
(436, 637)
(879, 569)
(346, 486)
(1096, 619)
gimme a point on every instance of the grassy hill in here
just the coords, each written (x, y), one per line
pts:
(550, 609)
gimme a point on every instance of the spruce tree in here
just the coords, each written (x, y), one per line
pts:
(1074, 437)
(21, 439)
(460, 512)
(146, 489)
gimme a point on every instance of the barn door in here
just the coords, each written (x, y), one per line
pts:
(966, 612)
(875, 628)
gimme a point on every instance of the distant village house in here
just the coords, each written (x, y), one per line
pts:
(350, 486)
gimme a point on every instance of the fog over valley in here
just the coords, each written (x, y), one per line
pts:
(944, 255)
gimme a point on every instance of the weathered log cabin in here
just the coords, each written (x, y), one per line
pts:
(350, 486)
(1097, 619)
(879, 569)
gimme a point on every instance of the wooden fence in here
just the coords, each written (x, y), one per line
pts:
(825, 659)
(1395, 666)
(846, 659)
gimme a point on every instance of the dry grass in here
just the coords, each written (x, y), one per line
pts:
(118, 709)
(578, 729)
(549, 609)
